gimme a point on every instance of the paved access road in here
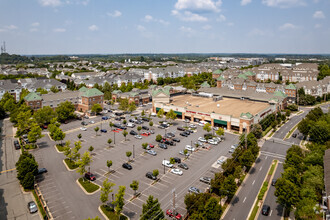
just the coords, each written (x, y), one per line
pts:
(13, 203)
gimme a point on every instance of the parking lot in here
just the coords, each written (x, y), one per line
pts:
(59, 183)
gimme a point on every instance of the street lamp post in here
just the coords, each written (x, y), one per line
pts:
(114, 137)
(191, 146)
(164, 166)
(133, 152)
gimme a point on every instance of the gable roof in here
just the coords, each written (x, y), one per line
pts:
(280, 94)
(218, 71)
(205, 85)
(221, 78)
(158, 91)
(290, 86)
(83, 89)
(32, 96)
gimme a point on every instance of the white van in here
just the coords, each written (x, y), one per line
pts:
(130, 125)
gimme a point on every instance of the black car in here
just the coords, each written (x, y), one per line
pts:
(138, 122)
(151, 176)
(131, 120)
(122, 117)
(146, 119)
(177, 160)
(90, 176)
(184, 134)
(117, 118)
(133, 132)
(180, 128)
(163, 146)
(176, 139)
(187, 132)
(273, 182)
(127, 166)
(265, 209)
(119, 113)
(104, 130)
(42, 170)
(294, 135)
(183, 166)
(84, 123)
(167, 142)
(205, 180)
(170, 134)
(17, 145)
(145, 128)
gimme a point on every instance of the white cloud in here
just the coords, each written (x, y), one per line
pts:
(207, 27)
(93, 27)
(221, 18)
(148, 18)
(33, 29)
(114, 14)
(245, 2)
(35, 24)
(52, 3)
(163, 22)
(287, 26)
(284, 3)
(189, 16)
(318, 14)
(58, 30)
(188, 30)
(198, 5)
(11, 27)
(317, 25)
(140, 28)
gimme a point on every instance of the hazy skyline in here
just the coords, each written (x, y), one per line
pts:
(165, 26)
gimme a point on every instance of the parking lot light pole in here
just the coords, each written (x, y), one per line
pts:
(114, 137)
(133, 152)
(191, 146)
(164, 166)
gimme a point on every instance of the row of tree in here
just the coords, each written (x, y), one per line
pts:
(27, 168)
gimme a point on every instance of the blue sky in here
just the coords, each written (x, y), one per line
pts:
(165, 26)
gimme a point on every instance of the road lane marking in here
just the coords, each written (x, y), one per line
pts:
(5, 171)
(260, 169)
(253, 182)
(244, 199)
(266, 157)
(270, 214)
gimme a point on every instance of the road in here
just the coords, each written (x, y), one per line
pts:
(13, 203)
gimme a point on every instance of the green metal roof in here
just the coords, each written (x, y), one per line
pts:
(242, 76)
(246, 115)
(291, 86)
(152, 86)
(280, 94)
(92, 92)
(249, 73)
(116, 91)
(157, 91)
(32, 96)
(218, 71)
(221, 78)
(134, 94)
(205, 85)
(83, 89)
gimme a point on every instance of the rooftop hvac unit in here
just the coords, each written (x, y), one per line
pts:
(218, 105)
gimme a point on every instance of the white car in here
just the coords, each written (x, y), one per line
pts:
(167, 163)
(138, 136)
(153, 114)
(130, 125)
(234, 146)
(177, 171)
(91, 122)
(192, 126)
(182, 153)
(190, 148)
(220, 161)
(83, 128)
(202, 139)
(212, 141)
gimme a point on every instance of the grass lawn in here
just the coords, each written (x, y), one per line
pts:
(88, 186)
(60, 148)
(71, 164)
(109, 212)
(43, 213)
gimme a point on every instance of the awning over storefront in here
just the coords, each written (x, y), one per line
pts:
(178, 113)
(220, 122)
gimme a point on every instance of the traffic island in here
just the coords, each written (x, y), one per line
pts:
(109, 213)
(70, 165)
(59, 148)
(88, 187)
(135, 196)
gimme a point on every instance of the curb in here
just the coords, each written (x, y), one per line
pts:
(67, 166)
(57, 150)
(87, 193)
(102, 213)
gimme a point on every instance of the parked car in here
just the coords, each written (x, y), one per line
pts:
(84, 123)
(91, 122)
(32, 207)
(175, 215)
(161, 127)
(146, 133)
(146, 119)
(41, 171)
(177, 172)
(201, 139)
(150, 176)
(184, 134)
(151, 152)
(117, 118)
(167, 163)
(133, 132)
(234, 146)
(265, 210)
(90, 176)
(127, 166)
(104, 130)
(169, 142)
(151, 145)
(180, 128)
(83, 128)
(274, 182)
(138, 136)
(176, 139)
(177, 160)
(182, 153)
(163, 146)
(105, 117)
(221, 161)
(231, 150)
(192, 126)
(205, 180)
(170, 134)
(194, 190)
(190, 148)
(17, 145)
(294, 135)
(212, 141)
(130, 125)
(183, 166)
(152, 131)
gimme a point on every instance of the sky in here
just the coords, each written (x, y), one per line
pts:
(165, 26)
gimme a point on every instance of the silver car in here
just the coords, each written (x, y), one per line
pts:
(152, 152)
(32, 207)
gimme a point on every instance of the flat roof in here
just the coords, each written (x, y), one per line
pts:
(227, 106)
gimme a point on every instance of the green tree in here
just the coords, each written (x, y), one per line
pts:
(220, 132)
(35, 134)
(247, 159)
(79, 136)
(151, 210)
(24, 93)
(229, 187)
(109, 141)
(158, 138)
(142, 113)
(171, 115)
(24, 122)
(257, 130)
(96, 108)
(212, 209)
(134, 186)
(54, 89)
(125, 133)
(65, 110)
(106, 189)
(131, 107)
(128, 154)
(109, 164)
(139, 128)
(96, 218)
(96, 129)
(155, 173)
(111, 125)
(320, 131)
(83, 162)
(58, 135)
(26, 167)
(90, 149)
(160, 113)
(123, 104)
(120, 199)
(287, 193)
(217, 183)
(185, 151)
(44, 115)
(28, 181)
(306, 209)
(144, 146)
(207, 127)
(151, 123)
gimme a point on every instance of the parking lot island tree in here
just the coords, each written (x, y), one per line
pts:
(35, 134)
(120, 201)
(128, 154)
(123, 104)
(172, 160)
(125, 133)
(96, 129)
(207, 127)
(109, 141)
(44, 115)
(109, 164)
(96, 108)
(90, 149)
(151, 123)
(111, 125)
(144, 146)
(131, 107)
(143, 113)
(158, 138)
(160, 113)
(26, 167)
(58, 135)
(155, 172)
(185, 151)
(106, 189)
(79, 136)
(83, 162)
(134, 186)
(220, 132)
(171, 115)
(139, 128)
(151, 210)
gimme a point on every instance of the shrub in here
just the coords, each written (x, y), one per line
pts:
(88, 186)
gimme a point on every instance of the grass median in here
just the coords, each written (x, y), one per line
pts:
(88, 186)
(60, 148)
(71, 164)
(42, 211)
(291, 131)
(110, 213)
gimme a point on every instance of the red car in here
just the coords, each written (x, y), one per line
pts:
(151, 145)
(146, 133)
(90, 176)
(170, 213)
